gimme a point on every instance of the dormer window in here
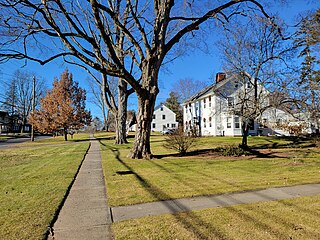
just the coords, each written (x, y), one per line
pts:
(230, 101)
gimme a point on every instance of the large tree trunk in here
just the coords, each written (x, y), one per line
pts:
(121, 118)
(141, 148)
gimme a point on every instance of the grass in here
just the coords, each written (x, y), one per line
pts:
(33, 182)
(4, 138)
(59, 140)
(290, 219)
(169, 177)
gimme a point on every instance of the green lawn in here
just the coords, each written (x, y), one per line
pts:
(290, 219)
(168, 176)
(33, 182)
(278, 162)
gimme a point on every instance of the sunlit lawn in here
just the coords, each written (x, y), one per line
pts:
(290, 219)
(168, 177)
(60, 139)
(282, 162)
(4, 138)
(33, 182)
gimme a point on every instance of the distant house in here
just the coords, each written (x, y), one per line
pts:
(163, 119)
(12, 123)
(4, 122)
(211, 111)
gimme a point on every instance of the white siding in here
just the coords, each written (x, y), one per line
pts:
(164, 119)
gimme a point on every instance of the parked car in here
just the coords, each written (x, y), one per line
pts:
(168, 131)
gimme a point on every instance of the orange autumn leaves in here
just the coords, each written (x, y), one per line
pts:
(63, 108)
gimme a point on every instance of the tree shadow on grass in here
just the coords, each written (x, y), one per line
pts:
(189, 220)
(292, 224)
(215, 152)
(204, 230)
(291, 142)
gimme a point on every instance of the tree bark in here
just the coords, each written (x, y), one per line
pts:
(65, 133)
(105, 120)
(245, 131)
(121, 119)
(141, 148)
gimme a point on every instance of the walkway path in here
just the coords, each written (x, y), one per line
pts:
(224, 200)
(85, 213)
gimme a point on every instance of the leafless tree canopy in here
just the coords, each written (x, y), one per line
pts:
(256, 53)
(127, 39)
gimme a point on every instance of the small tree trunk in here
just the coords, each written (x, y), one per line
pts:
(141, 148)
(65, 133)
(245, 131)
(121, 118)
(105, 120)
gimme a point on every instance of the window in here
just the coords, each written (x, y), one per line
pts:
(230, 101)
(163, 117)
(204, 103)
(173, 125)
(236, 122)
(168, 125)
(228, 122)
(161, 109)
(186, 109)
(154, 116)
(251, 124)
(209, 101)
(153, 125)
(278, 121)
(210, 121)
(204, 123)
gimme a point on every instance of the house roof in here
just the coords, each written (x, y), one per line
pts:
(162, 105)
(212, 87)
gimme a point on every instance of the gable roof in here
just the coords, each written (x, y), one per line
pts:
(213, 87)
(162, 105)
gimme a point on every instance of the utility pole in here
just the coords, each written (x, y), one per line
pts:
(33, 104)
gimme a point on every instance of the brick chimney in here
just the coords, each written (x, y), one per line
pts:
(220, 76)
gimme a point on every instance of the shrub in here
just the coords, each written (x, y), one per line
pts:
(232, 151)
(179, 141)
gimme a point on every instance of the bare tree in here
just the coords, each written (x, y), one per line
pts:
(98, 99)
(19, 94)
(126, 39)
(308, 41)
(258, 57)
(188, 87)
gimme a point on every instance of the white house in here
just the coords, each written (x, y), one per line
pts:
(163, 119)
(211, 112)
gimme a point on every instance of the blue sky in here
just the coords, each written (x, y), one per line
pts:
(196, 65)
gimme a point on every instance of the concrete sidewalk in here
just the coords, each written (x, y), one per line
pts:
(224, 200)
(85, 213)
